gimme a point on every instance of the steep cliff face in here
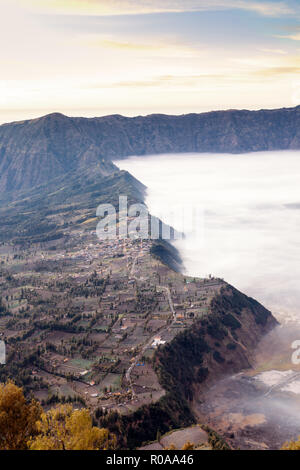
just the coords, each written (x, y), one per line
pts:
(47, 211)
(36, 151)
(218, 344)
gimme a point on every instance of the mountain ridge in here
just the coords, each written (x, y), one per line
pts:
(35, 151)
(203, 113)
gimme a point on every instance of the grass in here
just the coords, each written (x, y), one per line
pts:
(82, 363)
(112, 381)
(65, 390)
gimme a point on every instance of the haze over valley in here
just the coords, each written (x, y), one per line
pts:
(251, 211)
(171, 326)
(248, 212)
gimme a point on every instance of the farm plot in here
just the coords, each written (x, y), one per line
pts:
(111, 382)
(193, 434)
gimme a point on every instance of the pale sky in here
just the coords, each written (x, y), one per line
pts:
(132, 57)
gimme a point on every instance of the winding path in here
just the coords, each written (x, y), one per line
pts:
(159, 288)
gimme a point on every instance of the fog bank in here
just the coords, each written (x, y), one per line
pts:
(251, 218)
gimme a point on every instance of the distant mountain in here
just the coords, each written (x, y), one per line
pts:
(36, 151)
(47, 212)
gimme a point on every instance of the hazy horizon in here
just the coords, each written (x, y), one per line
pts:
(136, 57)
(25, 115)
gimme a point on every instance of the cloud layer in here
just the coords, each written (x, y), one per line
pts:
(113, 56)
(133, 7)
(251, 216)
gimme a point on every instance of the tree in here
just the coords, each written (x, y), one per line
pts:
(17, 417)
(63, 428)
(188, 446)
(171, 447)
(293, 445)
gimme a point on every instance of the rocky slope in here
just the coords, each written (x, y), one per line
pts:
(220, 343)
(36, 151)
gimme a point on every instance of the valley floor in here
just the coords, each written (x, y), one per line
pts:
(84, 318)
(258, 408)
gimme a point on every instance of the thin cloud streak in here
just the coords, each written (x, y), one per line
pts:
(274, 51)
(134, 7)
(293, 37)
(226, 56)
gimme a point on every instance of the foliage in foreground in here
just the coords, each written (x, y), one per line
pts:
(62, 428)
(17, 418)
(24, 425)
(292, 445)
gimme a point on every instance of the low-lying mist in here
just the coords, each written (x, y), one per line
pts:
(251, 217)
(250, 237)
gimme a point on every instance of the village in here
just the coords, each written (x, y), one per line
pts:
(83, 318)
